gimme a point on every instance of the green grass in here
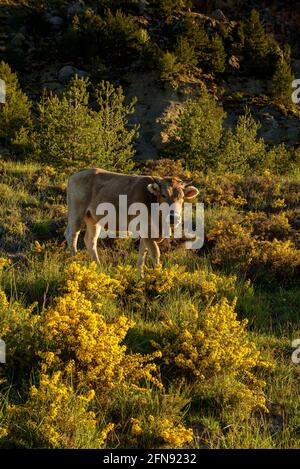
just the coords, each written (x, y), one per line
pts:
(273, 315)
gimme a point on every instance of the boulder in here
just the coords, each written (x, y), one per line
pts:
(67, 72)
(218, 15)
(18, 40)
(76, 8)
(142, 6)
(4, 151)
(56, 22)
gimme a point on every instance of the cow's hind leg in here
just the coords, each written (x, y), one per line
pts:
(71, 234)
(153, 250)
(91, 236)
(142, 257)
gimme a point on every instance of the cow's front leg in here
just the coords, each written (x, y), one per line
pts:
(142, 257)
(153, 250)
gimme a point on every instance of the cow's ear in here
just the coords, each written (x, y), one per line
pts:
(154, 188)
(190, 192)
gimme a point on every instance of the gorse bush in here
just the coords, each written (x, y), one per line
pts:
(55, 416)
(266, 192)
(89, 390)
(90, 337)
(70, 134)
(19, 328)
(215, 343)
(161, 429)
(238, 247)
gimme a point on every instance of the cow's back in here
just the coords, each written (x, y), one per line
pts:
(89, 187)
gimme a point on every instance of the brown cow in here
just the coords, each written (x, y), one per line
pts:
(90, 187)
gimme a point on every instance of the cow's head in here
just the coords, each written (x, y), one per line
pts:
(174, 192)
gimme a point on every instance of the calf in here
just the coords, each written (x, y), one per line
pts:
(90, 187)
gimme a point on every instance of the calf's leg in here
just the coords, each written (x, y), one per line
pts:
(153, 249)
(71, 234)
(142, 257)
(91, 236)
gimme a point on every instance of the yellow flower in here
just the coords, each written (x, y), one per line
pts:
(136, 428)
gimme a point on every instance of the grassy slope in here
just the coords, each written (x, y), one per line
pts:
(33, 208)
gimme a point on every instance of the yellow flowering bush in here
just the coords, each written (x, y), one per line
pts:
(268, 226)
(211, 344)
(4, 262)
(221, 190)
(278, 258)
(206, 285)
(94, 285)
(234, 245)
(3, 432)
(160, 280)
(156, 280)
(278, 203)
(255, 192)
(19, 328)
(174, 436)
(253, 247)
(136, 428)
(77, 332)
(55, 416)
(260, 191)
(164, 431)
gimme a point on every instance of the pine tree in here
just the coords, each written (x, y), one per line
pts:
(168, 65)
(283, 77)
(196, 137)
(168, 8)
(185, 53)
(71, 134)
(218, 55)
(15, 113)
(241, 150)
(198, 39)
(259, 49)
